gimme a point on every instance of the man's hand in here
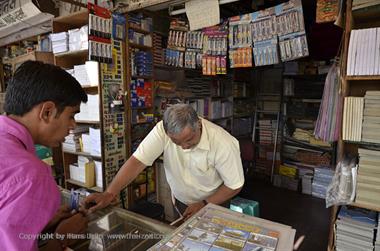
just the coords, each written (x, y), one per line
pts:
(77, 224)
(63, 212)
(98, 201)
(192, 209)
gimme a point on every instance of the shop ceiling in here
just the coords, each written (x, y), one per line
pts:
(228, 8)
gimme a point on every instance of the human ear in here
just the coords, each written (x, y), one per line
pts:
(48, 111)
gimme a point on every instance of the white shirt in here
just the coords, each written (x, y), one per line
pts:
(194, 174)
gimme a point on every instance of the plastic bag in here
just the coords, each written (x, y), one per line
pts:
(342, 188)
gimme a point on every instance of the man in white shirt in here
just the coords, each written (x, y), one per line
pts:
(201, 160)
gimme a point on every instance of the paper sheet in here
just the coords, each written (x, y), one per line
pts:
(202, 13)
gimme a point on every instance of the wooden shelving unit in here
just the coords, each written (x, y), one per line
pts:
(140, 46)
(134, 192)
(68, 60)
(363, 78)
(369, 207)
(91, 122)
(46, 57)
(354, 86)
(81, 184)
(71, 21)
(137, 29)
(83, 154)
(142, 76)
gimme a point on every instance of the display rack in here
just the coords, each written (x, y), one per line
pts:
(140, 83)
(112, 119)
(67, 60)
(354, 86)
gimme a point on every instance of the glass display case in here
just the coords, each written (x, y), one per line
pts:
(113, 229)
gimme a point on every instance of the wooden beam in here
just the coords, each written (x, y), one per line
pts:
(75, 3)
(345, 92)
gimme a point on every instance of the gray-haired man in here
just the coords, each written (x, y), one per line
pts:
(202, 161)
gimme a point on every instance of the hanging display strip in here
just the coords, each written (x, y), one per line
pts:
(214, 58)
(194, 45)
(109, 39)
(205, 49)
(174, 54)
(240, 41)
(259, 35)
(113, 112)
(100, 31)
(264, 36)
(291, 30)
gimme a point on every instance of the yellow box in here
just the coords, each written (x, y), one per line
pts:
(288, 171)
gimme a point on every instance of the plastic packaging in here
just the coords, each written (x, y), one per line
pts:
(341, 190)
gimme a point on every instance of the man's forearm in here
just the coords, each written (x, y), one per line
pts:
(222, 195)
(127, 173)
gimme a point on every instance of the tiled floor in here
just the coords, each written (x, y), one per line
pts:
(308, 215)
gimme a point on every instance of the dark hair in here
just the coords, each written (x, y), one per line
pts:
(35, 82)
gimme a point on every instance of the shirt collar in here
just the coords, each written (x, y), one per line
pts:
(204, 142)
(12, 127)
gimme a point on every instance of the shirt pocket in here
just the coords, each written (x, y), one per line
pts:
(203, 172)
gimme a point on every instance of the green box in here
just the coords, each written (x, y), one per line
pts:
(245, 206)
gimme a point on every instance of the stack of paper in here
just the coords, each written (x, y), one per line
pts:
(355, 229)
(360, 4)
(364, 52)
(72, 141)
(59, 42)
(377, 242)
(95, 137)
(368, 179)
(89, 111)
(307, 183)
(352, 118)
(87, 74)
(371, 118)
(98, 174)
(92, 142)
(322, 178)
(267, 131)
(78, 39)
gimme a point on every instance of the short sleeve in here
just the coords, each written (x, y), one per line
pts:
(229, 165)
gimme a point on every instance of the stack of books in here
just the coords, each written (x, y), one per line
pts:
(267, 132)
(92, 142)
(89, 111)
(352, 118)
(78, 39)
(322, 179)
(363, 4)
(158, 53)
(59, 42)
(355, 229)
(377, 242)
(371, 118)
(364, 52)
(72, 141)
(368, 180)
